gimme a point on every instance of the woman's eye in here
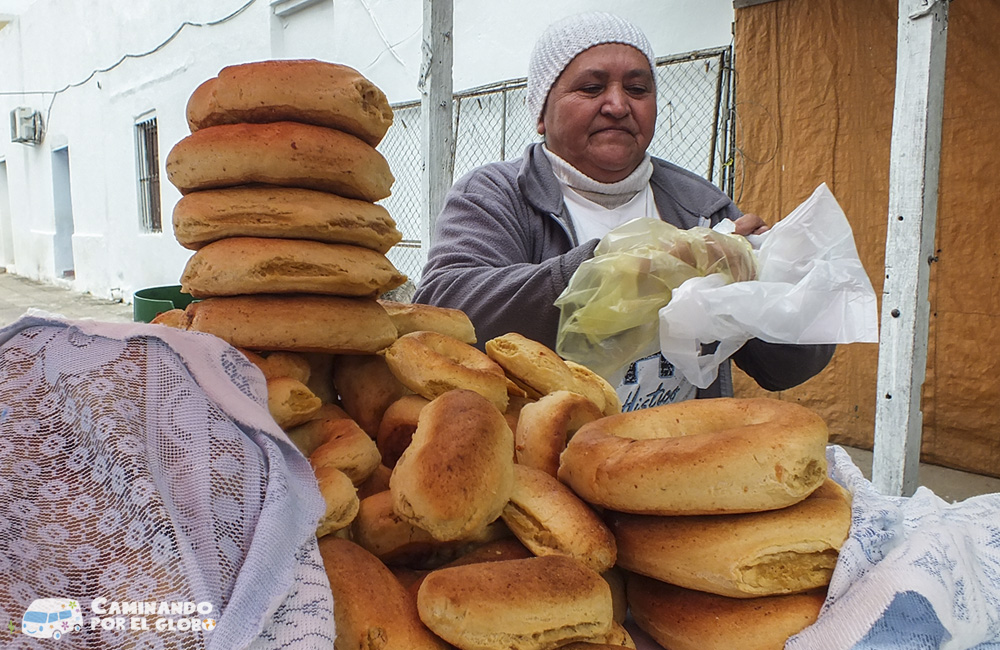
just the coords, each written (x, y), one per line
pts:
(592, 89)
(638, 91)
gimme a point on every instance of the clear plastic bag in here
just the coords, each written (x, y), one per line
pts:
(811, 288)
(608, 311)
(652, 287)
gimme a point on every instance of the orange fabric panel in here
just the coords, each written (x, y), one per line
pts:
(815, 90)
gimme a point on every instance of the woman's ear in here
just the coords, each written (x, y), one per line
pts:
(541, 126)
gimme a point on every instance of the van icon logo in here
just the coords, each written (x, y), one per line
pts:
(51, 618)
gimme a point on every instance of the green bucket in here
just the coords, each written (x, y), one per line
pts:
(147, 303)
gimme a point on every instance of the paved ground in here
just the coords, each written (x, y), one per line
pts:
(18, 294)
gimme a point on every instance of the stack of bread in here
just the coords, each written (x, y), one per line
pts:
(476, 498)
(279, 178)
(726, 523)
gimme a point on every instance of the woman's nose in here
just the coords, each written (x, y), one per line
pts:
(615, 102)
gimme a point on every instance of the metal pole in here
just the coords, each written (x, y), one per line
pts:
(915, 160)
(437, 135)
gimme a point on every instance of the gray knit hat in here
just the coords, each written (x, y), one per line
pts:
(565, 39)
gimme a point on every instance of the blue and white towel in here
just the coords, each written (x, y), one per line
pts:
(916, 573)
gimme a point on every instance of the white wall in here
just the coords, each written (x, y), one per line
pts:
(52, 45)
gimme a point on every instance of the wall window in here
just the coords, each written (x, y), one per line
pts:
(147, 165)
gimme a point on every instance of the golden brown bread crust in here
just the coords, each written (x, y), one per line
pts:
(706, 456)
(783, 551)
(397, 542)
(279, 153)
(397, 426)
(589, 382)
(685, 619)
(416, 317)
(290, 402)
(309, 435)
(237, 266)
(310, 91)
(532, 604)
(283, 212)
(458, 472)
(371, 609)
(303, 323)
(550, 519)
(531, 365)
(346, 448)
(280, 364)
(545, 426)
(367, 387)
(431, 364)
(341, 498)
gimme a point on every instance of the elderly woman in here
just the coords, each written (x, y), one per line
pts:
(511, 234)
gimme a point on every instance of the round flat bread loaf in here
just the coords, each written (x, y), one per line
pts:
(282, 212)
(701, 456)
(289, 154)
(305, 90)
(303, 323)
(685, 619)
(246, 265)
(782, 551)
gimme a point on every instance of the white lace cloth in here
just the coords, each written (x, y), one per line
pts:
(139, 463)
(916, 573)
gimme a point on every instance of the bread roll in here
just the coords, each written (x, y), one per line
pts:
(398, 424)
(305, 90)
(397, 542)
(247, 265)
(783, 551)
(684, 619)
(371, 609)
(290, 401)
(366, 387)
(346, 448)
(533, 604)
(280, 153)
(546, 425)
(590, 382)
(202, 217)
(309, 435)
(550, 519)
(430, 364)
(416, 317)
(341, 500)
(531, 365)
(458, 472)
(304, 323)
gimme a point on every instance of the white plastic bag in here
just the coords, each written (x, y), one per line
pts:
(811, 288)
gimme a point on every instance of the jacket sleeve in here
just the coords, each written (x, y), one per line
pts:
(487, 260)
(782, 366)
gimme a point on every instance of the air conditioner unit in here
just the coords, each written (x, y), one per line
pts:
(25, 125)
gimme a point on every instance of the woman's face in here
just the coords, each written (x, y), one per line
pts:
(601, 112)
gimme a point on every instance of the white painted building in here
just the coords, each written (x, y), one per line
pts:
(96, 72)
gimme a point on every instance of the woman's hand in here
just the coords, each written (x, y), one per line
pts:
(750, 224)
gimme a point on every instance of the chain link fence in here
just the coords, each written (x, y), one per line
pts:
(693, 130)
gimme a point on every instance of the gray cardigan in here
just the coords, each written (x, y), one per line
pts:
(504, 249)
